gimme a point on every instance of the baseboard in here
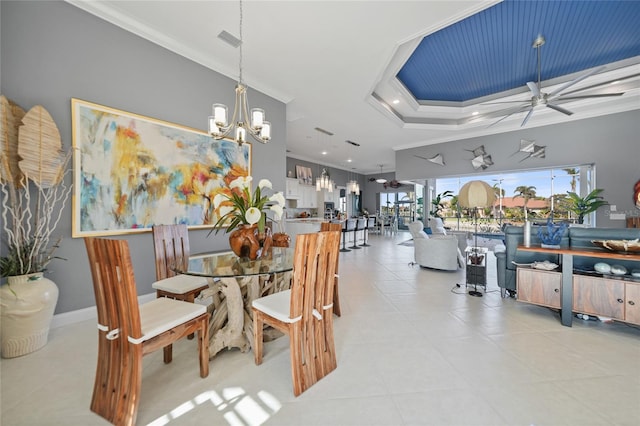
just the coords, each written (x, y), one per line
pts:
(66, 318)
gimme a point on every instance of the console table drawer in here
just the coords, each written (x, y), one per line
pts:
(539, 287)
(599, 296)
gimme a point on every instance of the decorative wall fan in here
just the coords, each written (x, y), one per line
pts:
(549, 100)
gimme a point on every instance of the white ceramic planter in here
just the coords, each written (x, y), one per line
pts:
(27, 303)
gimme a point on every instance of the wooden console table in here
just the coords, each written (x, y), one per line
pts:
(567, 254)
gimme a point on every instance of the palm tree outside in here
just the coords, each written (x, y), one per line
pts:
(527, 193)
(573, 172)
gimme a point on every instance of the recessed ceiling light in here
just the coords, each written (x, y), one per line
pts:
(474, 113)
(395, 101)
(324, 152)
(349, 160)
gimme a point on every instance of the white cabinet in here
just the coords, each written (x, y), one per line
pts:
(292, 189)
(308, 197)
(325, 196)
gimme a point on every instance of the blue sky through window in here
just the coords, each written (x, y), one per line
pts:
(541, 179)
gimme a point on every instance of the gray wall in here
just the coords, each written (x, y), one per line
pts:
(610, 142)
(340, 177)
(369, 190)
(52, 51)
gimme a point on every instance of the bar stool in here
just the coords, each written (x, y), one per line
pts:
(392, 227)
(359, 226)
(346, 227)
(380, 225)
(370, 223)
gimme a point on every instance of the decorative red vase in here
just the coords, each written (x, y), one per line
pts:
(248, 241)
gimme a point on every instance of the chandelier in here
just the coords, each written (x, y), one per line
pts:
(353, 186)
(324, 182)
(242, 122)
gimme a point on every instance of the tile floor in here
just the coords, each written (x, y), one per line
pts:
(412, 350)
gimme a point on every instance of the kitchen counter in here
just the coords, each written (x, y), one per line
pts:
(305, 220)
(297, 226)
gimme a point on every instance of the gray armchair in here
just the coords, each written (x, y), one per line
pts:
(437, 251)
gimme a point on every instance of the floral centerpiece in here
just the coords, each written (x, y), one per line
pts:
(244, 214)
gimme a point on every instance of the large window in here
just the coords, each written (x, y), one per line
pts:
(543, 192)
(401, 205)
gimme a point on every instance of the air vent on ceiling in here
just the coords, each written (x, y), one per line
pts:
(229, 38)
(352, 142)
(326, 132)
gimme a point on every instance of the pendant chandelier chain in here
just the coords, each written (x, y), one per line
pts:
(243, 119)
(240, 80)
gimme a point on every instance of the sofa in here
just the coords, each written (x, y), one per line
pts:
(436, 251)
(573, 237)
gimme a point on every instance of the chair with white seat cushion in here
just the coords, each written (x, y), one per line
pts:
(305, 312)
(128, 331)
(171, 247)
(325, 227)
(437, 251)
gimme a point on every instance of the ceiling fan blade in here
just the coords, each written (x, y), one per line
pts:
(600, 95)
(559, 109)
(527, 117)
(510, 112)
(575, 80)
(535, 90)
(621, 84)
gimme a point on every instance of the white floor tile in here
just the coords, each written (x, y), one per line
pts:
(412, 349)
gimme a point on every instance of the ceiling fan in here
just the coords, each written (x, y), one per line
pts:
(549, 100)
(379, 179)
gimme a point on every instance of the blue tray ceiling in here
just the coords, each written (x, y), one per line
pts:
(491, 51)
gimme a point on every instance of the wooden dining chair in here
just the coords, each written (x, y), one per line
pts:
(304, 313)
(128, 331)
(324, 227)
(106, 387)
(171, 247)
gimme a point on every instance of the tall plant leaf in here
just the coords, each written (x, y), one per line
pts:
(40, 148)
(10, 119)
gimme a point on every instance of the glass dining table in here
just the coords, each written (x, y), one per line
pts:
(234, 283)
(226, 264)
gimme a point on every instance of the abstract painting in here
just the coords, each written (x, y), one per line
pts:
(131, 172)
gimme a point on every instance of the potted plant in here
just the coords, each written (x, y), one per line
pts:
(437, 205)
(243, 213)
(582, 206)
(33, 192)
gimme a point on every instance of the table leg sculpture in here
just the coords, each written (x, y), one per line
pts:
(231, 323)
